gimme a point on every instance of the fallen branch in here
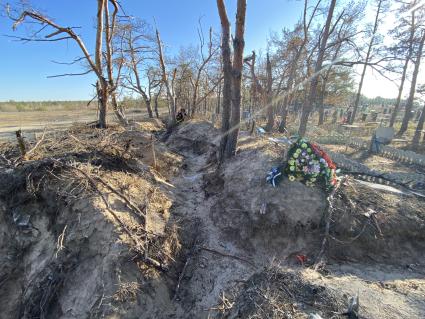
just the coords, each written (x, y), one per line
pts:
(180, 278)
(36, 145)
(227, 255)
(330, 198)
(59, 245)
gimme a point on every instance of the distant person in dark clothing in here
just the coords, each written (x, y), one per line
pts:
(181, 115)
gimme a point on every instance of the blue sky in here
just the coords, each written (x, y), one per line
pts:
(24, 67)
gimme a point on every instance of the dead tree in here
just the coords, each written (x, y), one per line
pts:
(405, 66)
(137, 47)
(238, 47)
(269, 96)
(227, 80)
(205, 59)
(169, 86)
(298, 51)
(308, 104)
(64, 33)
(367, 58)
(419, 128)
(156, 97)
(409, 103)
(110, 24)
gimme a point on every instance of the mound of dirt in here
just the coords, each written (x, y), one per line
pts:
(256, 215)
(86, 232)
(377, 224)
(197, 136)
(274, 293)
(150, 125)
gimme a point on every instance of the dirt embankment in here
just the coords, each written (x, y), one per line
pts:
(85, 227)
(95, 224)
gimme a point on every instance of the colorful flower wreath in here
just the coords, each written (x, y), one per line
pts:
(308, 163)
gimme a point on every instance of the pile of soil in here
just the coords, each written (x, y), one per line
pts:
(276, 293)
(380, 224)
(85, 228)
(196, 136)
(280, 221)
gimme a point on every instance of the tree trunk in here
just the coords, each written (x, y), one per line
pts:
(400, 91)
(403, 76)
(287, 99)
(170, 91)
(102, 94)
(321, 106)
(227, 77)
(119, 112)
(369, 50)
(102, 89)
(156, 106)
(238, 47)
(308, 104)
(109, 32)
(405, 67)
(419, 128)
(270, 110)
(217, 109)
(284, 115)
(149, 108)
(409, 104)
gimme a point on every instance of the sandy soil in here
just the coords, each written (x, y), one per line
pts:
(215, 242)
(37, 121)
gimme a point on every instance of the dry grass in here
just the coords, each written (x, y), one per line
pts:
(127, 291)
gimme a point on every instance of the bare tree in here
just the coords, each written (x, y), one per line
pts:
(104, 86)
(367, 58)
(410, 99)
(296, 48)
(237, 65)
(137, 43)
(269, 93)
(420, 126)
(169, 85)
(205, 59)
(412, 26)
(308, 105)
(227, 80)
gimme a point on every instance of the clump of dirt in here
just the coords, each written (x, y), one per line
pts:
(384, 224)
(148, 125)
(85, 229)
(275, 293)
(195, 136)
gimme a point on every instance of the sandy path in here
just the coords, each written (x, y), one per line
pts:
(207, 274)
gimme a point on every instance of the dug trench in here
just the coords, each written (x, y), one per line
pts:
(96, 226)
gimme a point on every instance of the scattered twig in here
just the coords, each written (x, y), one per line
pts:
(227, 255)
(59, 245)
(180, 278)
(153, 152)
